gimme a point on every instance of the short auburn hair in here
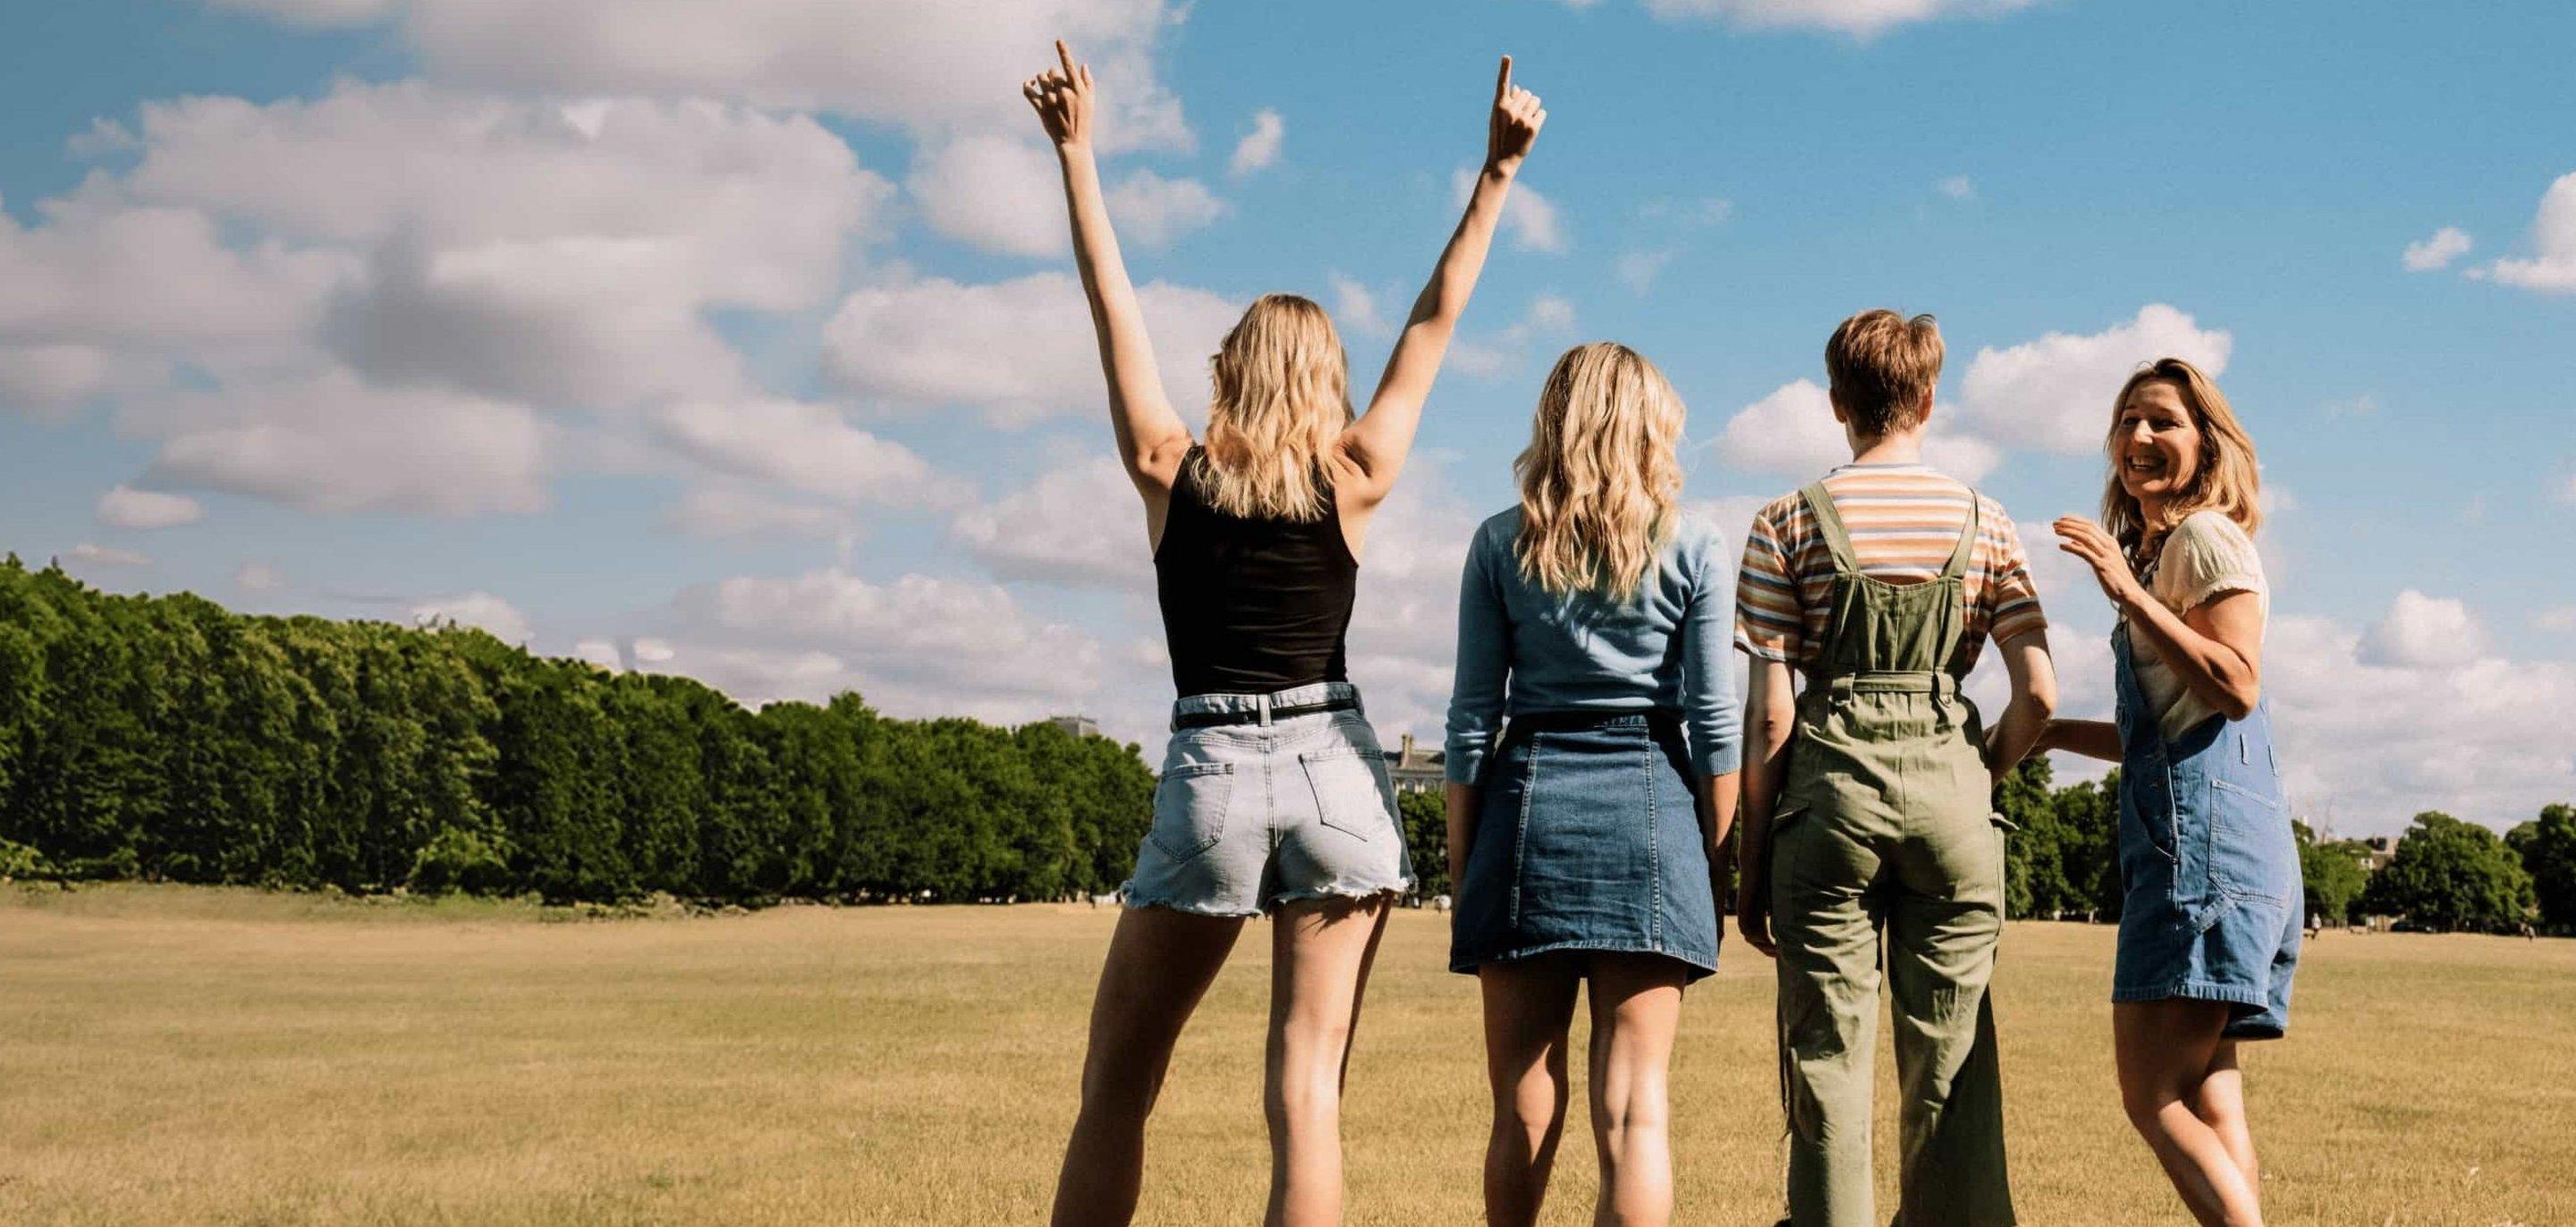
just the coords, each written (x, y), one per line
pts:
(1882, 365)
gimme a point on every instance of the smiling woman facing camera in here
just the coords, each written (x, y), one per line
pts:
(2209, 926)
(1274, 798)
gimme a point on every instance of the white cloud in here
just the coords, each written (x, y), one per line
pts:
(805, 446)
(1859, 18)
(2054, 393)
(2372, 738)
(2437, 251)
(258, 577)
(916, 645)
(728, 510)
(1259, 147)
(1020, 350)
(103, 276)
(333, 443)
(1152, 211)
(2567, 491)
(1355, 308)
(49, 381)
(998, 193)
(106, 555)
(600, 652)
(1080, 524)
(1494, 355)
(927, 65)
(126, 507)
(1638, 269)
(1792, 432)
(2423, 632)
(651, 651)
(476, 609)
(1529, 216)
(2551, 268)
(1957, 187)
(2560, 618)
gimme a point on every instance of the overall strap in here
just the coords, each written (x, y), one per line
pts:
(1958, 564)
(1820, 504)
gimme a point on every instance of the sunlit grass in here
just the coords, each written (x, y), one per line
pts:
(178, 1055)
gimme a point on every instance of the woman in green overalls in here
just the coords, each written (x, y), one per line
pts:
(1869, 837)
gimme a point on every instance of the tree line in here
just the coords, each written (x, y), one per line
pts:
(165, 738)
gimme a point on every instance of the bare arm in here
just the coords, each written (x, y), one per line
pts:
(2034, 700)
(2090, 738)
(1464, 800)
(1151, 437)
(1718, 795)
(1376, 445)
(1770, 721)
(2216, 648)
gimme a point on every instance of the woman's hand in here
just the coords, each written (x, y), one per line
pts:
(2085, 539)
(1062, 97)
(1513, 127)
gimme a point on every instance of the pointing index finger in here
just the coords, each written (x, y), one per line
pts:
(1503, 82)
(1066, 57)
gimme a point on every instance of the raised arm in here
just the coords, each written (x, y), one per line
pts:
(1151, 438)
(1375, 447)
(2216, 648)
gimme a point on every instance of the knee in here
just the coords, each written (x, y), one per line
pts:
(2145, 1106)
(1531, 1107)
(1640, 1111)
(1114, 1093)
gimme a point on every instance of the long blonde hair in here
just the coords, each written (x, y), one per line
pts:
(2226, 480)
(1282, 395)
(1601, 476)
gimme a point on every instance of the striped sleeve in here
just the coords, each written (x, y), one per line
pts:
(1768, 623)
(2015, 597)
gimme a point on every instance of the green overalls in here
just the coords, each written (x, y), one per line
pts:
(1884, 853)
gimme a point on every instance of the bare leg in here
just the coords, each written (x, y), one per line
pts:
(1636, 1006)
(1529, 1003)
(2221, 1106)
(2166, 1052)
(1160, 963)
(1321, 951)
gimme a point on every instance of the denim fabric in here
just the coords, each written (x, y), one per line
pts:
(2209, 867)
(1248, 817)
(1668, 648)
(1588, 840)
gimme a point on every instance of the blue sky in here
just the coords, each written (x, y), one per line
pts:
(737, 339)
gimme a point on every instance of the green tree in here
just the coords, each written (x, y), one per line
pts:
(2452, 875)
(2547, 847)
(2333, 872)
(1425, 816)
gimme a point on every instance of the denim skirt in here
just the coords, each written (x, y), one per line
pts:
(1588, 839)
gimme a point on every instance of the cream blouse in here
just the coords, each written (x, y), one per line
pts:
(2204, 556)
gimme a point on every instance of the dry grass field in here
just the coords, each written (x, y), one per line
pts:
(177, 1055)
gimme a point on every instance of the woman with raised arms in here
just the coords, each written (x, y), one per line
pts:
(2209, 921)
(1595, 617)
(1274, 798)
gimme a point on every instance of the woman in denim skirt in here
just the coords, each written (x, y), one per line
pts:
(1274, 798)
(2210, 914)
(1593, 626)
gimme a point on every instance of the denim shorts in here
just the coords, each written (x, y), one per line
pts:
(1588, 839)
(1248, 817)
(2212, 900)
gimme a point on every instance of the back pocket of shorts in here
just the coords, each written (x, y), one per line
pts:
(1349, 795)
(1190, 806)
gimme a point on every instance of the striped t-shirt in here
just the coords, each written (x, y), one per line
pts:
(1904, 521)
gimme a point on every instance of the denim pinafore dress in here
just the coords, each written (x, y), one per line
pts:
(2212, 898)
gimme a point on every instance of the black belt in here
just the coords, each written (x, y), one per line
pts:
(1210, 719)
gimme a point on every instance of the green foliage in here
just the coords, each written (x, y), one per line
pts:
(2061, 856)
(1426, 839)
(2335, 871)
(166, 738)
(2452, 875)
(2547, 848)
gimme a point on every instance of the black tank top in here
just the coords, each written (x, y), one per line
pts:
(1251, 605)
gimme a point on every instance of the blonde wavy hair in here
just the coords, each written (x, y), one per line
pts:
(1601, 475)
(2226, 480)
(1282, 388)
